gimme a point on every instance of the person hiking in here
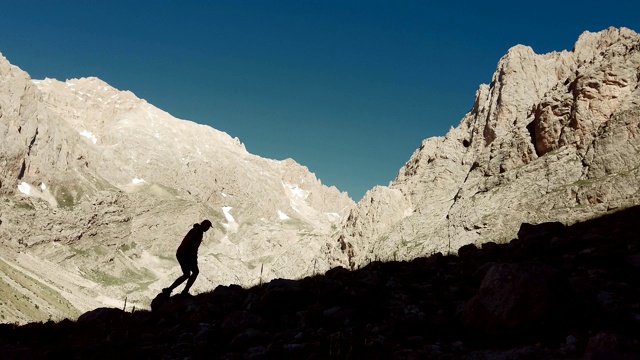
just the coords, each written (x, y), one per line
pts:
(187, 255)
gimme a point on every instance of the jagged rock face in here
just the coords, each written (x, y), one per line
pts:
(26, 127)
(99, 187)
(554, 137)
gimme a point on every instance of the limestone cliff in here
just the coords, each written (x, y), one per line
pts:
(554, 137)
(98, 187)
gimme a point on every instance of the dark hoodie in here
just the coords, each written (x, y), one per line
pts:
(191, 242)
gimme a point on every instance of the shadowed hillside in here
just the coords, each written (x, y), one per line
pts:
(555, 292)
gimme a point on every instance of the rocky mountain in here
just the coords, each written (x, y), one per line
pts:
(554, 137)
(98, 188)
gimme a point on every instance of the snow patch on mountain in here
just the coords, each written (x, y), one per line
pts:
(24, 188)
(89, 135)
(282, 215)
(296, 191)
(226, 210)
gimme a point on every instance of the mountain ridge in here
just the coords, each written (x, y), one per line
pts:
(560, 127)
(98, 186)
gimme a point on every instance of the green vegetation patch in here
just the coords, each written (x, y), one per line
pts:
(258, 262)
(127, 247)
(171, 258)
(77, 251)
(105, 279)
(100, 250)
(138, 277)
(102, 184)
(162, 192)
(23, 205)
(64, 196)
(23, 304)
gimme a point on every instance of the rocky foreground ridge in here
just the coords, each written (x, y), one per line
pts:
(554, 137)
(98, 188)
(555, 292)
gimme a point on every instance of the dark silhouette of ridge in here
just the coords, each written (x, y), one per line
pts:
(555, 292)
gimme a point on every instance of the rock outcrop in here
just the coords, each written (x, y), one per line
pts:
(98, 187)
(554, 137)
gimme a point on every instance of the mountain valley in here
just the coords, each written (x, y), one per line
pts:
(541, 178)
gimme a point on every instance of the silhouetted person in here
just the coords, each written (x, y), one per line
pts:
(187, 255)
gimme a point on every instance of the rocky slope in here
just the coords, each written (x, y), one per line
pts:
(98, 187)
(554, 137)
(555, 292)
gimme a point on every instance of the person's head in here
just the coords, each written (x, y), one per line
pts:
(206, 225)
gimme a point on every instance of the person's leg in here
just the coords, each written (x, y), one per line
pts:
(176, 283)
(184, 265)
(194, 274)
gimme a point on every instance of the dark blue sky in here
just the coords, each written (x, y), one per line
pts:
(346, 88)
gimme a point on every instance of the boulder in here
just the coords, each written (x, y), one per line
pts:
(102, 315)
(516, 298)
(605, 346)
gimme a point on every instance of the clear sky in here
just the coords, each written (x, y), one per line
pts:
(347, 88)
